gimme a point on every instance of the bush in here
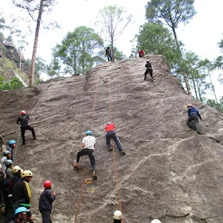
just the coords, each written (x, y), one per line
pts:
(13, 84)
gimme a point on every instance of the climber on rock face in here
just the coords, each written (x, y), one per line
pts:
(110, 134)
(148, 70)
(141, 53)
(23, 120)
(87, 144)
(117, 216)
(193, 118)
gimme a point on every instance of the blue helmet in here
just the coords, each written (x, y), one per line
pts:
(21, 209)
(11, 142)
(88, 132)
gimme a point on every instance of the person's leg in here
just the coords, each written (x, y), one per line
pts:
(117, 142)
(23, 135)
(151, 73)
(108, 140)
(32, 130)
(79, 154)
(46, 217)
(145, 74)
(92, 159)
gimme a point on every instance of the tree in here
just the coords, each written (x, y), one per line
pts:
(156, 39)
(171, 13)
(112, 20)
(78, 52)
(33, 6)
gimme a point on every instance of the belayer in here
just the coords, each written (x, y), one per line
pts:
(87, 145)
(23, 120)
(148, 70)
(193, 118)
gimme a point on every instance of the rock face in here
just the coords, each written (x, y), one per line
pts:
(169, 172)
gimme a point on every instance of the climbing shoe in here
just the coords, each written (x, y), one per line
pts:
(123, 153)
(94, 175)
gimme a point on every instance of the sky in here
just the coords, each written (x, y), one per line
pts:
(200, 36)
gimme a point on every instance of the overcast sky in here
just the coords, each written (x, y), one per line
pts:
(201, 35)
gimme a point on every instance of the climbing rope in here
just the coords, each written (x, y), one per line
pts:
(114, 156)
(84, 181)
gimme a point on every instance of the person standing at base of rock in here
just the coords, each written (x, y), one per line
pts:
(108, 53)
(193, 118)
(11, 147)
(23, 120)
(111, 134)
(47, 197)
(117, 216)
(148, 70)
(88, 144)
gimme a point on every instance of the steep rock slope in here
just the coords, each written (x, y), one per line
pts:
(169, 172)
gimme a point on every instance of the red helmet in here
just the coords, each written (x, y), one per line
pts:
(47, 184)
(23, 112)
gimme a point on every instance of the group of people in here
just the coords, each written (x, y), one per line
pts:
(88, 146)
(15, 192)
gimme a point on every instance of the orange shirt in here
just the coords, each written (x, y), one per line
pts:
(110, 127)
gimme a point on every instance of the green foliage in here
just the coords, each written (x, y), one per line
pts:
(156, 39)
(77, 53)
(13, 84)
(213, 104)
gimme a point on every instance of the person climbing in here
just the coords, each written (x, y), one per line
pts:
(87, 144)
(45, 202)
(11, 147)
(148, 70)
(20, 215)
(111, 134)
(155, 221)
(193, 118)
(23, 120)
(117, 216)
(141, 53)
(108, 53)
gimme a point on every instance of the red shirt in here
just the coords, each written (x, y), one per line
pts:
(110, 127)
(141, 52)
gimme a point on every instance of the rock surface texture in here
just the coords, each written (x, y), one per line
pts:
(169, 171)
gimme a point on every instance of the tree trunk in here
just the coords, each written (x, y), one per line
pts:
(186, 83)
(32, 66)
(216, 100)
(195, 89)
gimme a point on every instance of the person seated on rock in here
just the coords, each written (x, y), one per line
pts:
(148, 70)
(141, 53)
(23, 120)
(111, 134)
(155, 221)
(193, 118)
(117, 216)
(88, 144)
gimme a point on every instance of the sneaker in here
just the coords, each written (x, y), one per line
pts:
(123, 153)
(35, 137)
(94, 175)
(110, 149)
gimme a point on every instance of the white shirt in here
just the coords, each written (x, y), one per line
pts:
(89, 142)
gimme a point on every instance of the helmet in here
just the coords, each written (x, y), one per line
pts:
(6, 152)
(155, 221)
(117, 215)
(20, 210)
(108, 123)
(88, 132)
(47, 184)
(11, 142)
(27, 173)
(23, 112)
(189, 105)
(8, 163)
(15, 169)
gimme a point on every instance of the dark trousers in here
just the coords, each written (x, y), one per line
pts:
(109, 57)
(112, 135)
(150, 71)
(89, 153)
(46, 217)
(23, 130)
(192, 122)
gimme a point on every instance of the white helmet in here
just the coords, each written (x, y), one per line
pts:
(155, 221)
(117, 215)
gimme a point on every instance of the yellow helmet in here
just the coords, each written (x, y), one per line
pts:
(15, 169)
(27, 173)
